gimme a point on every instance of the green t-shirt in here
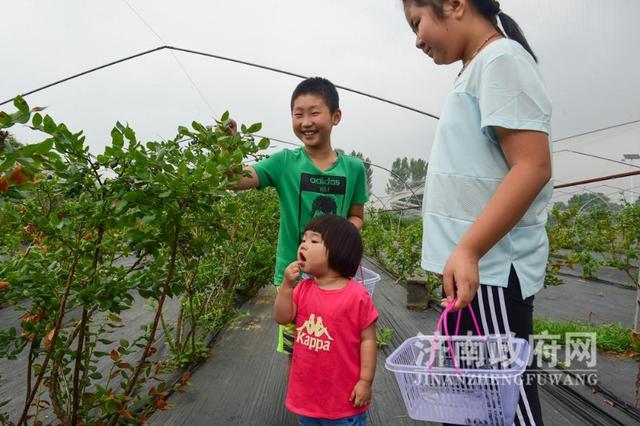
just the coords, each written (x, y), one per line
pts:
(306, 192)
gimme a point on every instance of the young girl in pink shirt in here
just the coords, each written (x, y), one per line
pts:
(334, 356)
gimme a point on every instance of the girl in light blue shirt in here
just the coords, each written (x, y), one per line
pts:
(489, 178)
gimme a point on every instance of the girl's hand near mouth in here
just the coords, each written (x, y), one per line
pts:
(292, 273)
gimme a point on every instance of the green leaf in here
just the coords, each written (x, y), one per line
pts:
(14, 193)
(199, 127)
(225, 116)
(8, 163)
(116, 138)
(54, 219)
(148, 220)
(130, 134)
(37, 148)
(13, 214)
(21, 104)
(254, 128)
(264, 143)
(49, 125)
(134, 196)
(165, 194)
(21, 117)
(36, 121)
(5, 119)
(110, 407)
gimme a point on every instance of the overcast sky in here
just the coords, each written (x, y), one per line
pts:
(587, 49)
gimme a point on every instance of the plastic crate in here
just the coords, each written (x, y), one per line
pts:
(370, 279)
(477, 390)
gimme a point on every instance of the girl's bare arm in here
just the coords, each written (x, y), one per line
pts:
(285, 310)
(361, 393)
(368, 354)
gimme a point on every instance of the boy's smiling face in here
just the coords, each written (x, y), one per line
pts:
(312, 120)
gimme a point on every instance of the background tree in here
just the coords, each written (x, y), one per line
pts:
(418, 169)
(367, 167)
(590, 201)
(400, 174)
(406, 172)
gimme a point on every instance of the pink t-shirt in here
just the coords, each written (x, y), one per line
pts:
(326, 353)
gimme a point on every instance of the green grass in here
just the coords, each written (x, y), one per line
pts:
(383, 337)
(610, 337)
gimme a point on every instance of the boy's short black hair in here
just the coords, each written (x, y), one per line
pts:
(342, 240)
(320, 87)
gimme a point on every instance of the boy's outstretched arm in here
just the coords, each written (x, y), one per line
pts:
(361, 394)
(285, 310)
(356, 215)
(250, 180)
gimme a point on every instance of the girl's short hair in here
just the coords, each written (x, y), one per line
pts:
(342, 240)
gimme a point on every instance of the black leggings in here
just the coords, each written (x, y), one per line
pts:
(519, 314)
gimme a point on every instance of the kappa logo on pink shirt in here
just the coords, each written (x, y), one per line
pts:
(311, 334)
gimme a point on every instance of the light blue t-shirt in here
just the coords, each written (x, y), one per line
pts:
(500, 87)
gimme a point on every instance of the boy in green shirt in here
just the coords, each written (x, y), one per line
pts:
(311, 181)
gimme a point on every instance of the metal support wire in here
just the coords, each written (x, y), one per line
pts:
(175, 57)
(222, 58)
(560, 193)
(598, 179)
(596, 156)
(602, 129)
(89, 71)
(276, 70)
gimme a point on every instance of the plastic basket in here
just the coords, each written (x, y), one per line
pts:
(367, 278)
(460, 379)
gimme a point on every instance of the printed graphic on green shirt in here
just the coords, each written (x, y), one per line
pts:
(320, 195)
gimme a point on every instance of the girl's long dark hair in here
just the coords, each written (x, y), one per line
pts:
(489, 9)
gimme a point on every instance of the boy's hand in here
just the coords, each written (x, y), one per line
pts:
(361, 394)
(292, 273)
(232, 127)
(460, 278)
